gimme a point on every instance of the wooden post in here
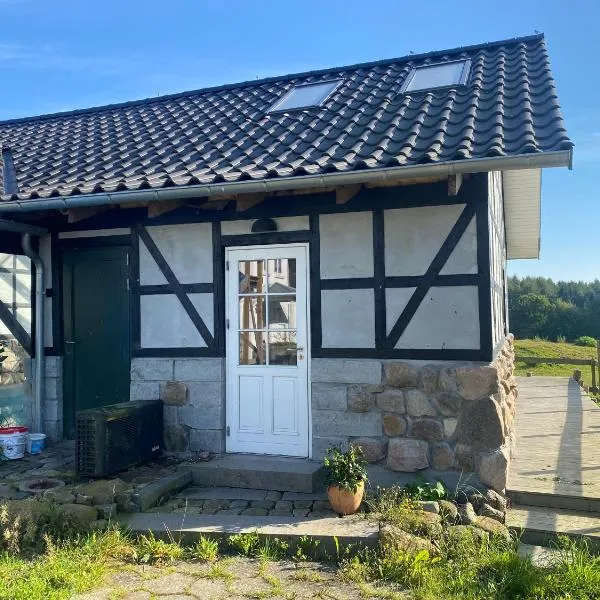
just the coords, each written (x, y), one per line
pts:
(598, 360)
(593, 363)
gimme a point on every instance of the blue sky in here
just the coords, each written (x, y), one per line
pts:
(69, 54)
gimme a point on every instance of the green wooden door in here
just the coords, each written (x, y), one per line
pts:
(97, 331)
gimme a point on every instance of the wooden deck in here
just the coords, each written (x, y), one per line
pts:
(558, 441)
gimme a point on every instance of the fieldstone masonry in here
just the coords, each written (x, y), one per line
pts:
(444, 416)
(193, 394)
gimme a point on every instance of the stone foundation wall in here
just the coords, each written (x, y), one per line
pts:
(193, 393)
(411, 416)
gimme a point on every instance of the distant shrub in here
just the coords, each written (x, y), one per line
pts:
(586, 340)
(561, 339)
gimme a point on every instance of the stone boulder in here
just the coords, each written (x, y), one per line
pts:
(393, 425)
(493, 513)
(495, 500)
(420, 522)
(493, 527)
(466, 514)
(407, 455)
(393, 538)
(174, 393)
(493, 469)
(480, 424)
(103, 491)
(442, 457)
(427, 429)
(477, 382)
(81, 514)
(448, 511)
(359, 399)
(418, 404)
(392, 401)
(460, 533)
(429, 506)
(373, 449)
(400, 375)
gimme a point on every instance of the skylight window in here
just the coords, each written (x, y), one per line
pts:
(436, 76)
(304, 96)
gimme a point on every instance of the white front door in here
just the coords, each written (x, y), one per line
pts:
(267, 349)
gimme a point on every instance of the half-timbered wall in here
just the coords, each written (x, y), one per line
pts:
(497, 259)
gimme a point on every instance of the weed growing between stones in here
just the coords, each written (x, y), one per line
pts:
(206, 549)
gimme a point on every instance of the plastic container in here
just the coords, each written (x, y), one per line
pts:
(13, 441)
(36, 442)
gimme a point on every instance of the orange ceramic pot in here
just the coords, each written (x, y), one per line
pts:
(343, 501)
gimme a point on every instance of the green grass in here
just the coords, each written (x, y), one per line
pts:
(545, 349)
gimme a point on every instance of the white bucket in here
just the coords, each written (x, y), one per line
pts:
(13, 441)
(36, 442)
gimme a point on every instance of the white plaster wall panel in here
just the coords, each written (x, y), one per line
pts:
(348, 318)
(164, 323)
(187, 250)
(396, 300)
(448, 318)
(464, 257)
(65, 235)
(522, 196)
(242, 227)
(346, 245)
(413, 236)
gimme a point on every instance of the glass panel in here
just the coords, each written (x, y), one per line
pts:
(252, 348)
(253, 278)
(252, 312)
(282, 312)
(282, 275)
(305, 95)
(436, 76)
(283, 348)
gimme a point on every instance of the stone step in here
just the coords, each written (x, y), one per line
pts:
(331, 532)
(579, 503)
(259, 472)
(541, 526)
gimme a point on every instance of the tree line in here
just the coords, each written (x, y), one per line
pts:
(539, 306)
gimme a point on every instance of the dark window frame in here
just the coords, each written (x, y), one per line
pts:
(462, 80)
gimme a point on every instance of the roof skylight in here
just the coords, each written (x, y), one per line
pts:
(436, 76)
(304, 96)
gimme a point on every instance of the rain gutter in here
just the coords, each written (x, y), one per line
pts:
(562, 158)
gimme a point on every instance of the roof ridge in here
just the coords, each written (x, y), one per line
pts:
(256, 82)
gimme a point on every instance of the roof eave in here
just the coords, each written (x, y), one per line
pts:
(560, 158)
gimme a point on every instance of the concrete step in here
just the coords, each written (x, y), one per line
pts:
(542, 526)
(553, 500)
(329, 531)
(259, 472)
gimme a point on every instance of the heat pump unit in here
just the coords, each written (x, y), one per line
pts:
(115, 437)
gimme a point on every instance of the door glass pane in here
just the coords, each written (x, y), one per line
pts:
(282, 312)
(282, 275)
(253, 278)
(252, 312)
(282, 348)
(252, 348)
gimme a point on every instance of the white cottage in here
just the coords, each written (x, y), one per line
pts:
(315, 259)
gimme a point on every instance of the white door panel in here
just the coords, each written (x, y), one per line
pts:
(267, 344)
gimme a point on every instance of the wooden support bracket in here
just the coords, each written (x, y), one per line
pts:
(344, 194)
(454, 183)
(155, 209)
(74, 215)
(246, 201)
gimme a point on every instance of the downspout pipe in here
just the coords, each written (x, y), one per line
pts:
(40, 293)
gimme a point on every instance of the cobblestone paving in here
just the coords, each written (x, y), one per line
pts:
(232, 578)
(249, 502)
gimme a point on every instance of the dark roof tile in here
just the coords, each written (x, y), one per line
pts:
(508, 107)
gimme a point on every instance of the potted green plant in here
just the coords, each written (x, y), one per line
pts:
(346, 477)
